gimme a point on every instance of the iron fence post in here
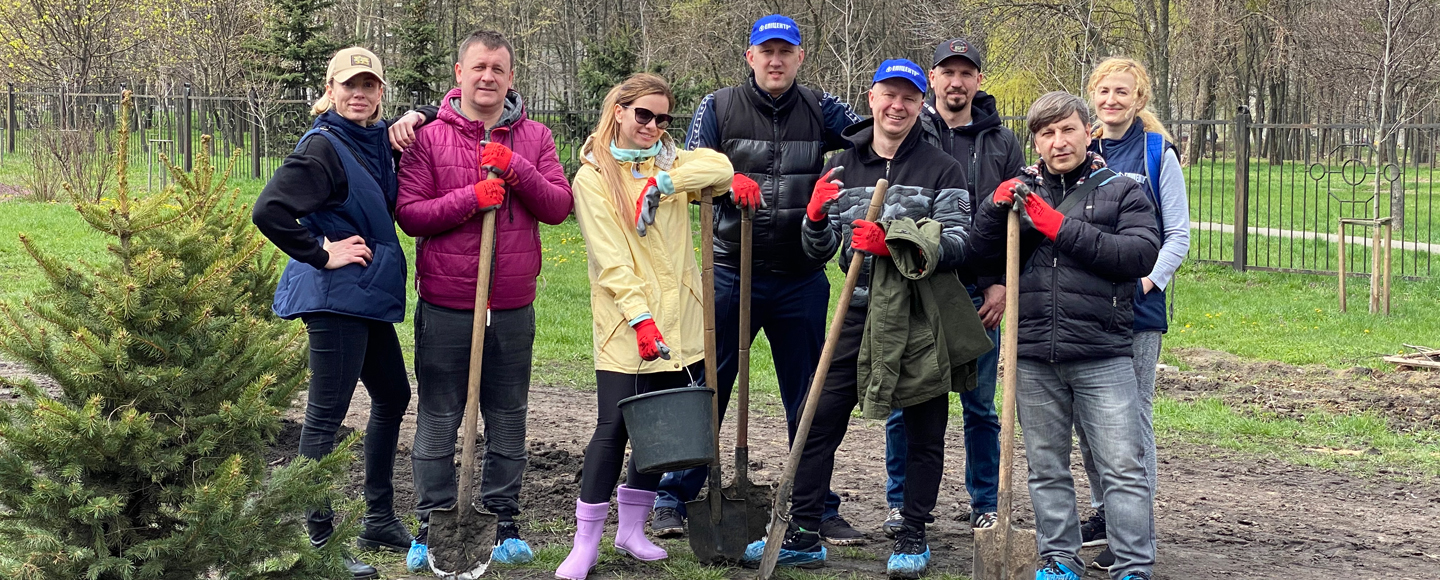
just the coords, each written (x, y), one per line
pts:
(1242, 185)
(10, 116)
(185, 137)
(254, 136)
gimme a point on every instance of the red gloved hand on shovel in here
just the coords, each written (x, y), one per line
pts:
(495, 158)
(745, 192)
(652, 345)
(490, 193)
(1005, 194)
(868, 237)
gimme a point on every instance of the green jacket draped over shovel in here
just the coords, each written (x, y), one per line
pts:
(922, 334)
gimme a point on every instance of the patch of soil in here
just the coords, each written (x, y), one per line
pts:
(1218, 514)
(1408, 400)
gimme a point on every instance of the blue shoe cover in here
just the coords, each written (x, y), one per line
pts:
(908, 565)
(512, 551)
(1056, 571)
(788, 558)
(418, 560)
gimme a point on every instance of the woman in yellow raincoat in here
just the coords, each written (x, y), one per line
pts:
(645, 294)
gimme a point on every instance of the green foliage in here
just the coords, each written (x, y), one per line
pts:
(147, 460)
(296, 50)
(423, 69)
(608, 61)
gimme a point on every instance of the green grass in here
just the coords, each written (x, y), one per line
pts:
(1296, 319)
(1358, 443)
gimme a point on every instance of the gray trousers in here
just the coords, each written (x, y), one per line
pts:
(1100, 395)
(442, 367)
(1147, 355)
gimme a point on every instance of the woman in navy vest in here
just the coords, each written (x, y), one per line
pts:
(1134, 143)
(330, 207)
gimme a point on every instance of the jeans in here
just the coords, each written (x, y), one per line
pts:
(342, 350)
(982, 435)
(605, 454)
(792, 310)
(924, 432)
(442, 369)
(1099, 395)
(1147, 355)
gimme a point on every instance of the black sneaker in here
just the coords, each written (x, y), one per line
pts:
(839, 532)
(911, 555)
(1105, 559)
(1092, 531)
(666, 522)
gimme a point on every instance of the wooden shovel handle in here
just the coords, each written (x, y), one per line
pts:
(747, 229)
(1009, 346)
(780, 510)
(477, 354)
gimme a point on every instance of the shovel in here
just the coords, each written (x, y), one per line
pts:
(717, 523)
(462, 537)
(756, 497)
(780, 509)
(1004, 552)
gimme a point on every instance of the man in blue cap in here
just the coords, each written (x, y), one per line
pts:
(925, 183)
(961, 119)
(776, 133)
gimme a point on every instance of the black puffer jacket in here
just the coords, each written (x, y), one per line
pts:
(1075, 292)
(924, 183)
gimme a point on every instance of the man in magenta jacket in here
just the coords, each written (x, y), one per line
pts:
(445, 187)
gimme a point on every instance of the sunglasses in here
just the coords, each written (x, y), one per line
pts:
(644, 116)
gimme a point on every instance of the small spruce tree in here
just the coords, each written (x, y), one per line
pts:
(147, 461)
(422, 67)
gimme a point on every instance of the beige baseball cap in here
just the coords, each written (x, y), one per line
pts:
(353, 61)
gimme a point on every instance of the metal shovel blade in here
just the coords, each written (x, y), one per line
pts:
(993, 561)
(717, 537)
(757, 498)
(461, 540)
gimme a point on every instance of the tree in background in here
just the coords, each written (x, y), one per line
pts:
(296, 48)
(422, 67)
(147, 460)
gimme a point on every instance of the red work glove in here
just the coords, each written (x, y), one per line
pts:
(646, 206)
(746, 192)
(495, 158)
(652, 345)
(1041, 216)
(868, 237)
(490, 193)
(824, 196)
(1005, 194)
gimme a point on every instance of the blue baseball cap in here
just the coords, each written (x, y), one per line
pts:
(901, 69)
(772, 27)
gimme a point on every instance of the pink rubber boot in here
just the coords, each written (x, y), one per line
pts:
(635, 506)
(589, 526)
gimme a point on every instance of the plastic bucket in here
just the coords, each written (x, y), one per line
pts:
(670, 430)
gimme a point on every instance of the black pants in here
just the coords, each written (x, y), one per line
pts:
(924, 426)
(607, 446)
(343, 349)
(442, 371)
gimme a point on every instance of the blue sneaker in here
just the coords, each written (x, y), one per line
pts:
(911, 555)
(418, 559)
(509, 548)
(1053, 570)
(1137, 576)
(801, 549)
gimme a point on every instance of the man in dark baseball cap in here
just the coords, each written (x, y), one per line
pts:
(962, 120)
(776, 133)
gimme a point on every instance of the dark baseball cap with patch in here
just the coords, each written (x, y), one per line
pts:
(958, 47)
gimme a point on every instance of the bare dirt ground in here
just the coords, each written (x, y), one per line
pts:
(1219, 514)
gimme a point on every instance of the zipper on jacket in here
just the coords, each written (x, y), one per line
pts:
(1054, 303)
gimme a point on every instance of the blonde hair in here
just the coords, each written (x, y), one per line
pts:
(625, 93)
(1114, 65)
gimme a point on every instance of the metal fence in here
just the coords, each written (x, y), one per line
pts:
(1262, 196)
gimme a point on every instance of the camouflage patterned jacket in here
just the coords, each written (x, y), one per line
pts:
(925, 182)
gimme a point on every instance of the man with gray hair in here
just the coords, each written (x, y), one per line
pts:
(1088, 234)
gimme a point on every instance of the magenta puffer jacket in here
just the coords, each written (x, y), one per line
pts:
(437, 205)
